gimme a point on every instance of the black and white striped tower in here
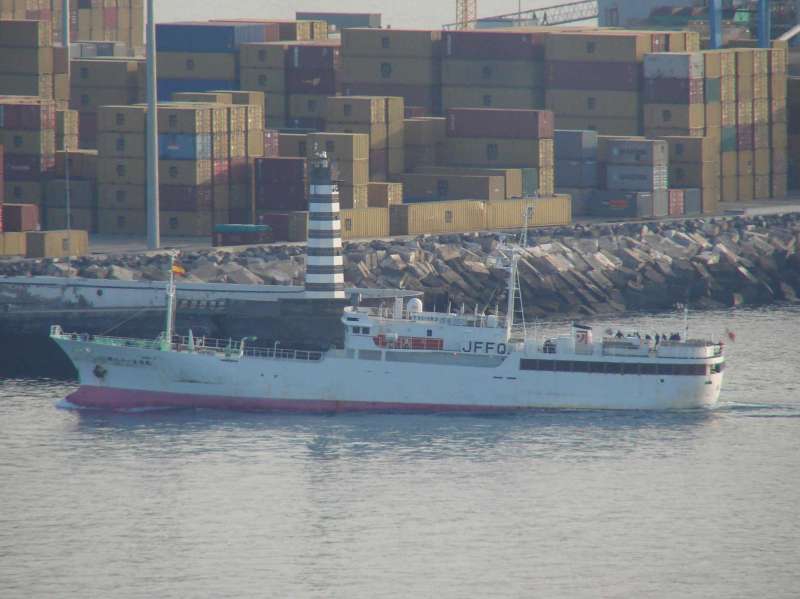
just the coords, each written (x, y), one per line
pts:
(324, 266)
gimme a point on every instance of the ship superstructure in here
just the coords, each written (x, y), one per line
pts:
(396, 357)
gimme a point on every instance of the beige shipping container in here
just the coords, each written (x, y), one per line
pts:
(353, 172)
(615, 104)
(188, 118)
(121, 197)
(56, 244)
(27, 85)
(603, 125)
(492, 97)
(82, 163)
(746, 187)
(28, 142)
(382, 195)
(264, 80)
(121, 171)
(512, 176)
(729, 163)
(91, 99)
(105, 72)
(690, 116)
(390, 43)
(122, 119)
(539, 212)
(121, 145)
(190, 224)
(26, 61)
(762, 162)
(729, 188)
(12, 244)
(445, 186)
(184, 172)
(356, 109)
(416, 156)
(293, 145)
(83, 219)
(365, 223)
(378, 133)
(493, 73)
(684, 148)
(342, 146)
(762, 188)
(779, 184)
(502, 153)
(197, 65)
(205, 97)
(744, 62)
(406, 71)
(122, 222)
(694, 174)
(728, 90)
(423, 131)
(619, 46)
(437, 217)
(263, 54)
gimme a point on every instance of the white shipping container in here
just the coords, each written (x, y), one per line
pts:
(674, 65)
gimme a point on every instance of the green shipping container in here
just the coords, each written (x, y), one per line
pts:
(728, 142)
(713, 90)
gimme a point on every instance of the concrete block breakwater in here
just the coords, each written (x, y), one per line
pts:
(579, 270)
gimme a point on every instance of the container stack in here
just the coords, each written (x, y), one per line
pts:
(393, 62)
(103, 82)
(297, 78)
(28, 133)
(67, 131)
(488, 137)
(744, 124)
(694, 163)
(281, 185)
(26, 58)
(2, 188)
(445, 186)
(576, 166)
(381, 118)
(761, 125)
(350, 153)
(492, 69)
(793, 131)
(779, 165)
(636, 177)
(593, 80)
(674, 94)
(82, 167)
(201, 56)
(424, 139)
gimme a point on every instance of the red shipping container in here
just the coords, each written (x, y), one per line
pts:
(311, 81)
(240, 171)
(282, 196)
(271, 137)
(429, 97)
(280, 170)
(493, 45)
(674, 91)
(744, 137)
(277, 221)
(611, 76)
(220, 171)
(20, 217)
(185, 198)
(28, 167)
(676, 202)
(110, 18)
(500, 123)
(34, 116)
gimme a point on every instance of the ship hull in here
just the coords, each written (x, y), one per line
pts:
(134, 378)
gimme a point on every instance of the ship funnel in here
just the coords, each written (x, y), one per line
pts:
(324, 277)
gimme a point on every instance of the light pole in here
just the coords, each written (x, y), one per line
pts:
(153, 230)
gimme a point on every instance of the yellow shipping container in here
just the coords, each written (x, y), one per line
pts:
(121, 145)
(713, 117)
(452, 186)
(356, 109)
(684, 148)
(123, 119)
(762, 188)
(416, 156)
(746, 188)
(619, 46)
(190, 224)
(105, 72)
(424, 130)
(121, 222)
(437, 217)
(406, 71)
(378, 133)
(779, 184)
(28, 142)
(56, 244)
(12, 244)
(729, 164)
(539, 212)
(762, 162)
(205, 97)
(189, 118)
(293, 145)
(594, 103)
(493, 73)
(121, 170)
(264, 80)
(730, 188)
(390, 43)
(694, 174)
(492, 97)
(744, 62)
(365, 222)
(690, 116)
(197, 65)
(512, 176)
(746, 163)
(307, 106)
(502, 153)
(342, 146)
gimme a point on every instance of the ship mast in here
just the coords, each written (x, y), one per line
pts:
(169, 326)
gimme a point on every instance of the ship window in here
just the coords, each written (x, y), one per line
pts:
(356, 330)
(430, 333)
(365, 330)
(563, 366)
(525, 364)
(580, 366)
(385, 42)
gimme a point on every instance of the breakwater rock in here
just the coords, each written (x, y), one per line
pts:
(580, 270)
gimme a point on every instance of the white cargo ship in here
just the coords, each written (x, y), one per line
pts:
(395, 358)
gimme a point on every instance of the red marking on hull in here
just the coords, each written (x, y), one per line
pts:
(130, 399)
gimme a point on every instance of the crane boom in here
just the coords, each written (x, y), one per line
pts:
(466, 13)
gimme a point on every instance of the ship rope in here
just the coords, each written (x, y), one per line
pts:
(127, 320)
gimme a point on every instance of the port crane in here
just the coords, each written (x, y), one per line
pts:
(557, 14)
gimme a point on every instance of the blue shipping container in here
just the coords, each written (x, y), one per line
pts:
(184, 146)
(168, 87)
(207, 37)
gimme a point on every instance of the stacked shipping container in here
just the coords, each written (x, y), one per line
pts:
(793, 131)
(576, 166)
(26, 58)
(81, 166)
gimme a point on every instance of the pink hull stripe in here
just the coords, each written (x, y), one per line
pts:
(127, 399)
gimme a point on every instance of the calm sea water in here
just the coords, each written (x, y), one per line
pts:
(546, 504)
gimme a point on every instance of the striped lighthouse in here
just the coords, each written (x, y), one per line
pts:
(324, 266)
